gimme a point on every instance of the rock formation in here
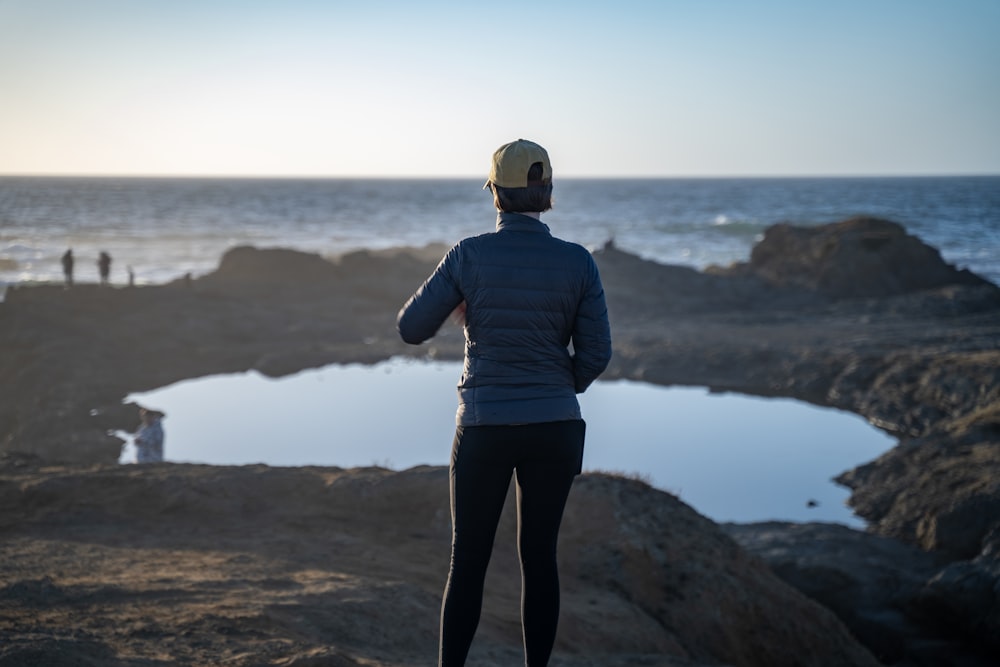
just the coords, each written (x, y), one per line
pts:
(858, 315)
(252, 566)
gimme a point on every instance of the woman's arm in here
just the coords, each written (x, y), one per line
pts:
(424, 312)
(591, 334)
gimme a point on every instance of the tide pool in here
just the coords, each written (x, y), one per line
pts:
(732, 457)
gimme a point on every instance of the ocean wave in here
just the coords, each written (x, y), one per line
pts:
(20, 251)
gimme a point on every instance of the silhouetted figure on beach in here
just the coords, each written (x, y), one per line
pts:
(131, 276)
(104, 266)
(67, 266)
(149, 437)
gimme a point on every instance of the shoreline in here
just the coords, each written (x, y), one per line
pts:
(879, 328)
(687, 222)
(280, 311)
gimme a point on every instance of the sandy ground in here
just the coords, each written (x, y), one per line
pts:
(175, 564)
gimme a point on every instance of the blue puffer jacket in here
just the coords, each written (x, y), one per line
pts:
(527, 296)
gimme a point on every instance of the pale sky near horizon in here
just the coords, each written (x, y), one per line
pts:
(431, 88)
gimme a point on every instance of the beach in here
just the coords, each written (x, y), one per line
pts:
(181, 564)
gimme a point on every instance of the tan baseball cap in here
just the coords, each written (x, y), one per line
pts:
(512, 161)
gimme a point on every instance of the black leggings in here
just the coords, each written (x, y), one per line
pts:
(545, 457)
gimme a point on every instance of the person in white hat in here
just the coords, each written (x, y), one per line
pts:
(536, 335)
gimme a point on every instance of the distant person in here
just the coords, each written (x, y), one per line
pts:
(524, 296)
(131, 276)
(67, 267)
(149, 437)
(104, 266)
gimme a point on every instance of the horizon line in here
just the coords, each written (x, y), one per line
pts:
(411, 177)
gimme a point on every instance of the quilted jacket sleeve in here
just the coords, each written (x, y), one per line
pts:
(591, 333)
(424, 312)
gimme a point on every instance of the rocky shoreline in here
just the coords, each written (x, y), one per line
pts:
(858, 315)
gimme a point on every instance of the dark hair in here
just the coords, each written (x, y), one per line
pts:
(535, 198)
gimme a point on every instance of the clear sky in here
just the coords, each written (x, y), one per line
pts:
(430, 88)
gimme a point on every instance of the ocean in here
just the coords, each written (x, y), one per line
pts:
(164, 228)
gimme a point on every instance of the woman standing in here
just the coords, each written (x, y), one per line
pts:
(525, 296)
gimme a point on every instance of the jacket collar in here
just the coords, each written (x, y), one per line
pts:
(520, 223)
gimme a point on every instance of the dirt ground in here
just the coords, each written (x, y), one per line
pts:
(179, 564)
(172, 564)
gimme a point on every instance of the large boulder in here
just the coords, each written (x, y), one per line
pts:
(964, 599)
(894, 597)
(859, 257)
(250, 266)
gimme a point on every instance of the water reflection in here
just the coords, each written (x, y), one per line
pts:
(732, 457)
